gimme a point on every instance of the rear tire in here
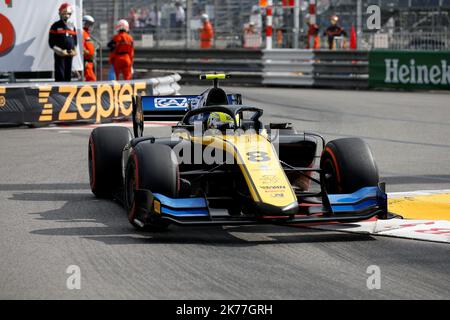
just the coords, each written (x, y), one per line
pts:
(105, 159)
(152, 167)
(347, 166)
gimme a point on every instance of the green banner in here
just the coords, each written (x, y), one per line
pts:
(409, 69)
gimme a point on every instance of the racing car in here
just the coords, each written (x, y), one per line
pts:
(233, 172)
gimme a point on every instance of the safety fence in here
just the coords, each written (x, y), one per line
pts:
(42, 103)
(420, 39)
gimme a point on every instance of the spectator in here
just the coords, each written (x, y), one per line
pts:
(63, 41)
(313, 39)
(256, 18)
(180, 17)
(206, 32)
(252, 38)
(132, 18)
(88, 49)
(143, 17)
(123, 54)
(154, 20)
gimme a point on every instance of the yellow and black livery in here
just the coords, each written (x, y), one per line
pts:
(236, 172)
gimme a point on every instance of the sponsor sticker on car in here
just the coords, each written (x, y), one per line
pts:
(171, 102)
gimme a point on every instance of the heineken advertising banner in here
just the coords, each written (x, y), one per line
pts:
(45, 103)
(409, 69)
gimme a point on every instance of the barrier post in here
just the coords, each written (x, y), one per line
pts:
(296, 22)
(269, 29)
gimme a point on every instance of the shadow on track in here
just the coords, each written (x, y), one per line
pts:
(101, 220)
(391, 180)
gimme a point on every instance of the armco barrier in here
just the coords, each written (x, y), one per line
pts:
(45, 103)
(286, 67)
(293, 67)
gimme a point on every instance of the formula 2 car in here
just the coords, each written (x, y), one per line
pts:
(237, 171)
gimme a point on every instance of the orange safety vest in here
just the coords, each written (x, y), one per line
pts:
(88, 55)
(88, 45)
(124, 46)
(206, 35)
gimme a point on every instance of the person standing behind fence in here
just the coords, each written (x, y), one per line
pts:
(252, 39)
(206, 32)
(154, 21)
(313, 40)
(88, 49)
(122, 55)
(180, 17)
(334, 30)
(63, 41)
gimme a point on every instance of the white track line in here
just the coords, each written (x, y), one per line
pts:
(416, 193)
(425, 230)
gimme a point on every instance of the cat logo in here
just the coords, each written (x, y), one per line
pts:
(171, 102)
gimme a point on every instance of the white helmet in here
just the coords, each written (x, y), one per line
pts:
(88, 21)
(204, 17)
(88, 18)
(122, 25)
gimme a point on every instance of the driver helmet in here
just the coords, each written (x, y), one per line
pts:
(217, 120)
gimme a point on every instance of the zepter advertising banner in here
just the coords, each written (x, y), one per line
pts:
(46, 103)
(24, 33)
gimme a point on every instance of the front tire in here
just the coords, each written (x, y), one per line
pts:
(348, 165)
(151, 167)
(105, 159)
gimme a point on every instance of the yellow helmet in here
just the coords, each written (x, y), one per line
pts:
(216, 120)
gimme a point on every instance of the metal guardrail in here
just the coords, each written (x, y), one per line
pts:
(164, 86)
(318, 68)
(285, 67)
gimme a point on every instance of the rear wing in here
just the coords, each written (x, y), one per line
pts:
(173, 108)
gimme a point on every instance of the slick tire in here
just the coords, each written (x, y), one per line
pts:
(347, 165)
(105, 159)
(152, 167)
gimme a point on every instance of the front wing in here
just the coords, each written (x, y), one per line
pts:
(360, 205)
